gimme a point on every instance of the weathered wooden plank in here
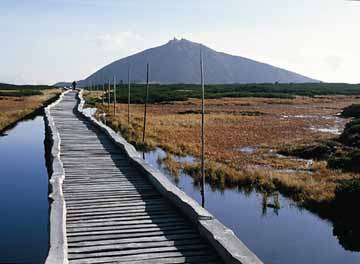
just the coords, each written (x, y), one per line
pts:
(123, 229)
(172, 260)
(154, 236)
(129, 237)
(114, 214)
(144, 256)
(200, 248)
(117, 217)
(136, 248)
(138, 229)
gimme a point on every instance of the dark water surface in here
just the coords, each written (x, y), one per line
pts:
(288, 235)
(24, 204)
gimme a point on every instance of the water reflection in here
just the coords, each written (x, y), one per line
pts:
(275, 204)
(273, 226)
(23, 194)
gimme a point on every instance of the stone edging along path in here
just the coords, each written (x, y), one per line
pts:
(58, 242)
(227, 245)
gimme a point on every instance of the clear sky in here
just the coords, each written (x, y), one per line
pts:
(45, 41)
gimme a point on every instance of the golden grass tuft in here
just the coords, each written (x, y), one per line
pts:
(14, 108)
(227, 132)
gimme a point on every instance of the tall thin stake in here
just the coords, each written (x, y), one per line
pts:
(129, 96)
(103, 92)
(109, 97)
(114, 95)
(202, 130)
(146, 99)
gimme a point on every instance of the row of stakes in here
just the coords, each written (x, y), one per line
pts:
(92, 87)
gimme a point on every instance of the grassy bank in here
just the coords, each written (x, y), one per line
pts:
(17, 102)
(236, 123)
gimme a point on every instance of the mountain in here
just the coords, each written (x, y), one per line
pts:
(62, 84)
(178, 62)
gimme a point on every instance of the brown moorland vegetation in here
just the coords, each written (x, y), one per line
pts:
(243, 136)
(14, 108)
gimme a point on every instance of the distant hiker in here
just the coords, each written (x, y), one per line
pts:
(73, 85)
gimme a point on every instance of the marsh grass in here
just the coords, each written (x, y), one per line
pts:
(14, 108)
(179, 134)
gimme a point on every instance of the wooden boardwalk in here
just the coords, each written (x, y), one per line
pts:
(113, 213)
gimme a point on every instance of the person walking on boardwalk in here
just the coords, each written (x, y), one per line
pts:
(73, 85)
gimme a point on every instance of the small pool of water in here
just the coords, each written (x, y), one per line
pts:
(24, 207)
(277, 236)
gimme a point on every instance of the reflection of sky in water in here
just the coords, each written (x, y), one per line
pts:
(89, 111)
(291, 235)
(23, 194)
(336, 128)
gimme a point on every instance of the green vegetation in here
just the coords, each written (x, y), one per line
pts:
(351, 134)
(22, 90)
(20, 93)
(317, 151)
(182, 92)
(347, 161)
(351, 111)
(6, 86)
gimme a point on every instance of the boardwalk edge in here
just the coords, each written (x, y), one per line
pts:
(58, 242)
(223, 239)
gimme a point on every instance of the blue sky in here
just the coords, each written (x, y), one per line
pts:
(46, 41)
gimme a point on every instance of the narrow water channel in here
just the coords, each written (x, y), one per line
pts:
(24, 208)
(277, 236)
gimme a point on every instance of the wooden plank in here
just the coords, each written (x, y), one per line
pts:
(101, 252)
(144, 256)
(136, 248)
(114, 214)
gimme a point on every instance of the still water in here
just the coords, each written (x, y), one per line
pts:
(24, 204)
(288, 235)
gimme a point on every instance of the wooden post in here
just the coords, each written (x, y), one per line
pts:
(202, 130)
(129, 96)
(146, 99)
(103, 92)
(109, 97)
(114, 95)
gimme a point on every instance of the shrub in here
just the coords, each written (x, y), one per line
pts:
(180, 92)
(348, 161)
(351, 111)
(351, 134)
(320, 151)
